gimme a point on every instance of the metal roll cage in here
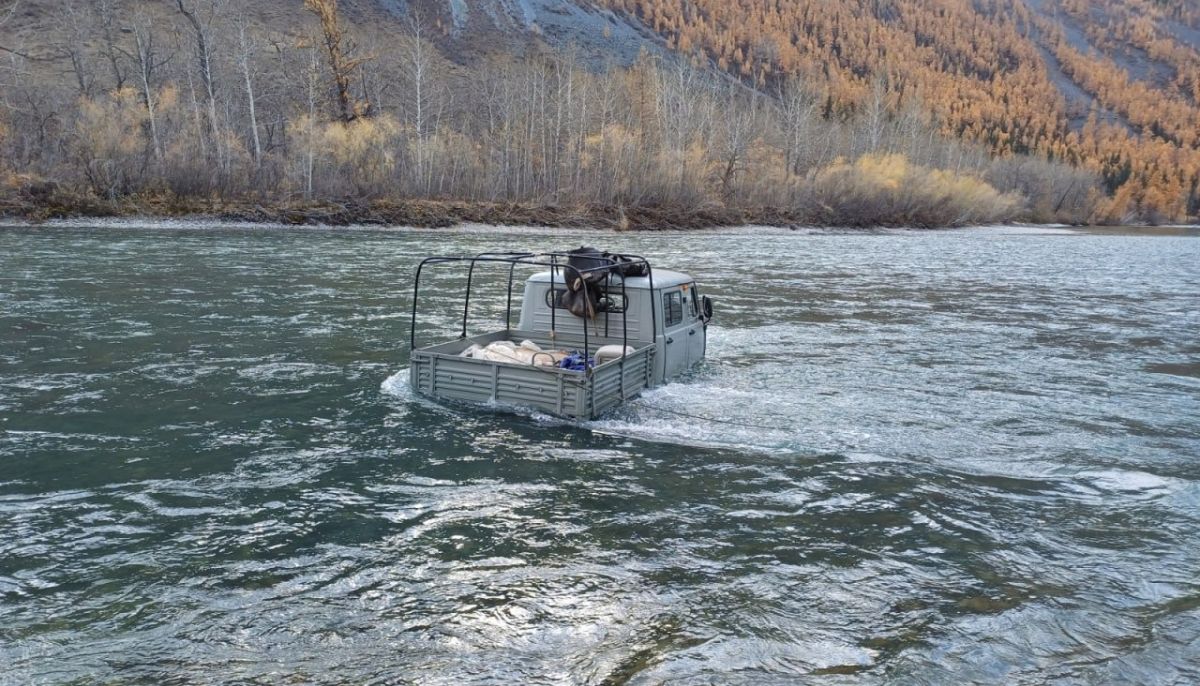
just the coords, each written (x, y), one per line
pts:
(556, 261)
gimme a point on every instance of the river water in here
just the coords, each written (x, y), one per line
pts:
(935, 458)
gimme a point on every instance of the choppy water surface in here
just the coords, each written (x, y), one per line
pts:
(940, 458)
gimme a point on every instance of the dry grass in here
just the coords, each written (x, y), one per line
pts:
(886, 190)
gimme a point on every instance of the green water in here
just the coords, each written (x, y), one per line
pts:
(950, 457)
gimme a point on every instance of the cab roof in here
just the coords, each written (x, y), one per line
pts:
(663, 278)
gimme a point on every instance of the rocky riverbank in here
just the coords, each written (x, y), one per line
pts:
(416, 213)
(47, 202)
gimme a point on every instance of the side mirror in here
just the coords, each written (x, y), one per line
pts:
(706, 308)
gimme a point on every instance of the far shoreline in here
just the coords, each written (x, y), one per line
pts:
(211, 223)
(438, 215)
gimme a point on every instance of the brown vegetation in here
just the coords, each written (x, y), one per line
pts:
(202, 111)
(342, 66)
(982, 69)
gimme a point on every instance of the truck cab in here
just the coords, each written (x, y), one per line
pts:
(664, 309)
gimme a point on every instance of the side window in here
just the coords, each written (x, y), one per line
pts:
(672, 308)
(694, 296)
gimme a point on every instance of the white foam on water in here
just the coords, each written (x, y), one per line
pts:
(703, 413)
(735, 654)
(178, 373)
(397, 386)
(587, 455)
(499, 230)
(1130, 483)
(1025, 230)
(285, 371)
(730, 343)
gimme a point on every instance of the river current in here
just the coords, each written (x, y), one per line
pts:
(927, 458)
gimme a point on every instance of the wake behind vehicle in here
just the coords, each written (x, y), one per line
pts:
(595, 329)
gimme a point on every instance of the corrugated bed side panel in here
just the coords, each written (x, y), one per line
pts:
(460, 379)
(449, 377)
(531, 387)
(607, 380)
(478, 381)
(418, 374)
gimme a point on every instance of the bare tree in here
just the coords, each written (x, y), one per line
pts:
(73, 47)
(913, 130)
(147, 62)
(875, 115)
(204, 60)
(246, 60)
(110, 48)
(800, 111)
(418, 66)
(685, 112)
(309, 130)
(541, 128)
(338, 50)
(734, 135)
(7, 13)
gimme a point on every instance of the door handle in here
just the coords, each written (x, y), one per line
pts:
(692, 332)
(670, 340)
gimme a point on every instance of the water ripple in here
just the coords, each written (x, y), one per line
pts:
(910, 458)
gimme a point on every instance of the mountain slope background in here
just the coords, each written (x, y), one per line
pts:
(1113, 85)
(1108, 89)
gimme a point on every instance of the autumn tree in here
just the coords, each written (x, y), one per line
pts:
(339, 51)
(842, 104)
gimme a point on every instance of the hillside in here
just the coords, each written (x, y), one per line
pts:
(1087, 110)
(1111, 85)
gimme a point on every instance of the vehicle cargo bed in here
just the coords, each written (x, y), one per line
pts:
(439, 372)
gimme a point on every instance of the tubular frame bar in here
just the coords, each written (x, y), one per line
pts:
(546, 259)
(553, 309)
(471, 276)
(508, 307)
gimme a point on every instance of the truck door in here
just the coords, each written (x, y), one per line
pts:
(697, 333)
(675, 333)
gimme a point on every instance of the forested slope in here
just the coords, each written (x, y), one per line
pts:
(839, 111)
(1111, 85)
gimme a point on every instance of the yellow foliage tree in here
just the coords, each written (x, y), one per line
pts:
(109, 141)
(887, 189)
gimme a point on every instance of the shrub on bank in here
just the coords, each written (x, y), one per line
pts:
(886, 190)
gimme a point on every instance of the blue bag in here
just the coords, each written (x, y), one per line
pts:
(575, 362)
